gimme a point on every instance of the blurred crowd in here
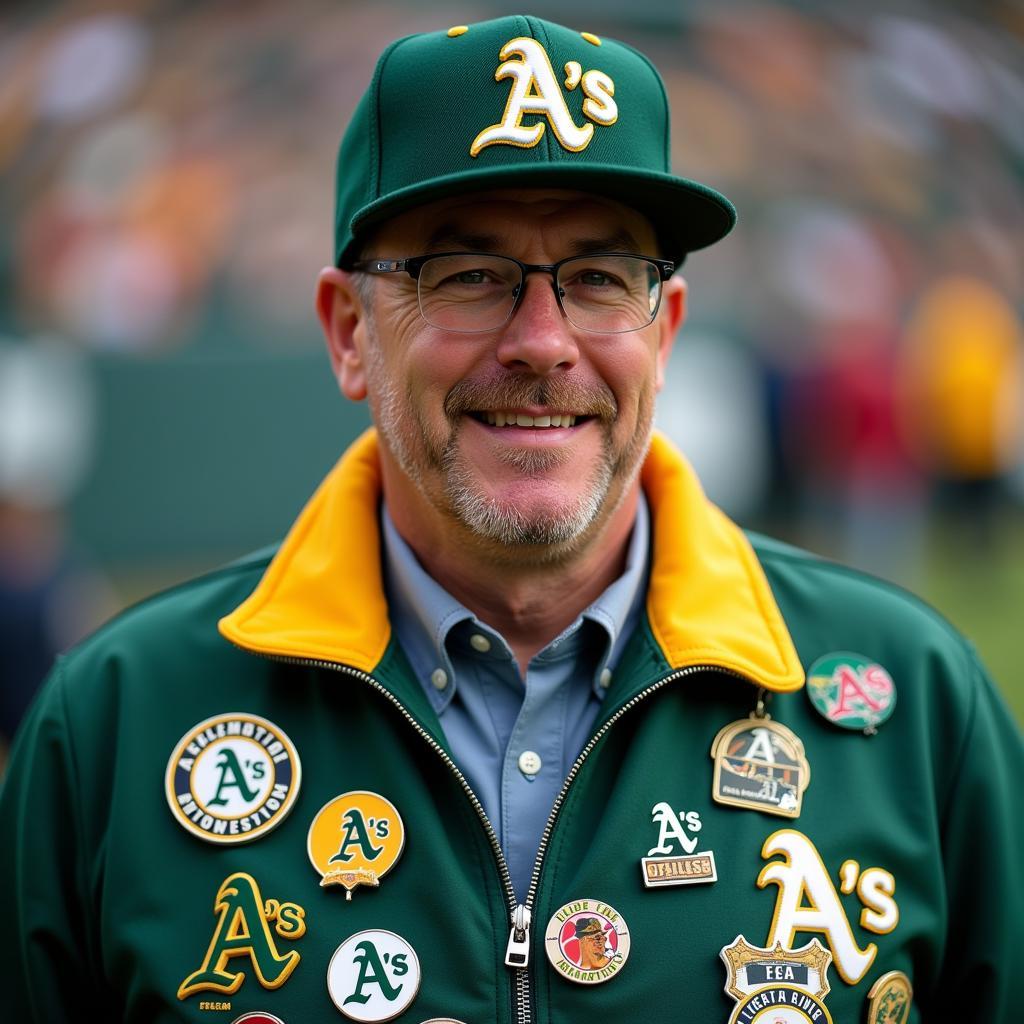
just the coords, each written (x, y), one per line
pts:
(853, 360)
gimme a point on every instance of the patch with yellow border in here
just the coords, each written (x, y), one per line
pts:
(232, 778)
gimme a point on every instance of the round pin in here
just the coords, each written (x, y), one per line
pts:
(232, 778)
(373, 976)
(889, 998)
(355, 839)
(851, 691)
(587, 941)
(257, 1017)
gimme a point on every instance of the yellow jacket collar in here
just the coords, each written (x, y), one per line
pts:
(322, 596)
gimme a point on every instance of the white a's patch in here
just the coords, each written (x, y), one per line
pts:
(537, 90)
(808, 902)
(686, 868)
(671, 828)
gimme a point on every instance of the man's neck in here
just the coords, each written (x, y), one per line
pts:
(528, 600)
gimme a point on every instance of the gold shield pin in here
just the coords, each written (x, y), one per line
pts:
(777, 984)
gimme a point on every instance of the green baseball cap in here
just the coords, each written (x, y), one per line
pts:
(517, 101)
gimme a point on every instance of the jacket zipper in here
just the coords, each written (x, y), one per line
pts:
(517, 952)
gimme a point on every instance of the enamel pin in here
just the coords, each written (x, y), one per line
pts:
(373, 976)
(587, 941)
(355, 839)
(889, 999)
(760, 765)
(232, 778)
(778, 985)
(851, 691)
(676, 860)
(257, 1017)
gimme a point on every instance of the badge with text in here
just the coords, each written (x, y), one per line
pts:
(355, 839)
(244, 938)
(587, 941)
(675, 860)
(851, 691)
(373, 976)
(777, 985)
(890, 998)
(760, 764)
(232, 778)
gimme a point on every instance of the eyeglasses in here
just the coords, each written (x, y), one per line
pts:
(473, 292)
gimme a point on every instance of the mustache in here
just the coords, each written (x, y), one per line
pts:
(515, 391)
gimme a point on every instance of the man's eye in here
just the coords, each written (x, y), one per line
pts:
(471, 277)
(597, 279)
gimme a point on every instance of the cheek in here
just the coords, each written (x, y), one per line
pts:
(632, 374)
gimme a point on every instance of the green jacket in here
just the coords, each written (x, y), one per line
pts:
(906, 855)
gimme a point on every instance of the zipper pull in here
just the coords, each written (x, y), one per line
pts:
(517, 952)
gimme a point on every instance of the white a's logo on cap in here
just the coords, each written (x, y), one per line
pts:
(536, 90)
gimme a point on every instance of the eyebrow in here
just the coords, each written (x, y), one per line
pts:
(450, 236)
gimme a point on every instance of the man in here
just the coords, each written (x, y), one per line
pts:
(592, 944)
(509, 667)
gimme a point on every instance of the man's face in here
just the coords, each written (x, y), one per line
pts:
(438, 397)
(592, 946)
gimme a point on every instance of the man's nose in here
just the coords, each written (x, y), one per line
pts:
(538, 338)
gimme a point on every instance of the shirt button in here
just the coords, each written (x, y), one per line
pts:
(605, 679)
(529, 762)
(439, 678)
(480, 643)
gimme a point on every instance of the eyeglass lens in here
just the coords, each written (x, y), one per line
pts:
(607, 294)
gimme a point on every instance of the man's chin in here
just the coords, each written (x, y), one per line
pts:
(550, 528)
(532, 513)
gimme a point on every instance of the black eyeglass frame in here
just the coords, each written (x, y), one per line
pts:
(413, 265)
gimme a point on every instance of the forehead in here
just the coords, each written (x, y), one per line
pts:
(560, 221)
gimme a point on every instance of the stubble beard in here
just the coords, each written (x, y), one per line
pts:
(447, 480)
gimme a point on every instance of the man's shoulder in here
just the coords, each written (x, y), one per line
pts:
(820, 598)
(178, 622)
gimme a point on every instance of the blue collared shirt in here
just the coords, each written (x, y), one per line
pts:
(514, 739)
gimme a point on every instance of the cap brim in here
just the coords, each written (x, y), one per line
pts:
(686, 215)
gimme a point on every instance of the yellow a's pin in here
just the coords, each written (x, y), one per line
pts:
(355, 839)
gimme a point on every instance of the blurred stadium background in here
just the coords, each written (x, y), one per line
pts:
(851, 377)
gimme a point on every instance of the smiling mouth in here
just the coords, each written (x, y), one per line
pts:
(521, 419)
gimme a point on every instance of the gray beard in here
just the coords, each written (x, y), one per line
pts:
(550, 536)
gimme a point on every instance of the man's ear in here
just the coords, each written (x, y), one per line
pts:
(670, 319)
(340, 308)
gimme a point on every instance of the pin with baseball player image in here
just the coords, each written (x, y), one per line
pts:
(587, 941)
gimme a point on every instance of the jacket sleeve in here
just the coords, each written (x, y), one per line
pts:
(49, 971)
(983, 840)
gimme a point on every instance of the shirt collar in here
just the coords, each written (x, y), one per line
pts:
(423, 613)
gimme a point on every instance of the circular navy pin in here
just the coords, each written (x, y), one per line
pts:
(232, 778)
(851, 691)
